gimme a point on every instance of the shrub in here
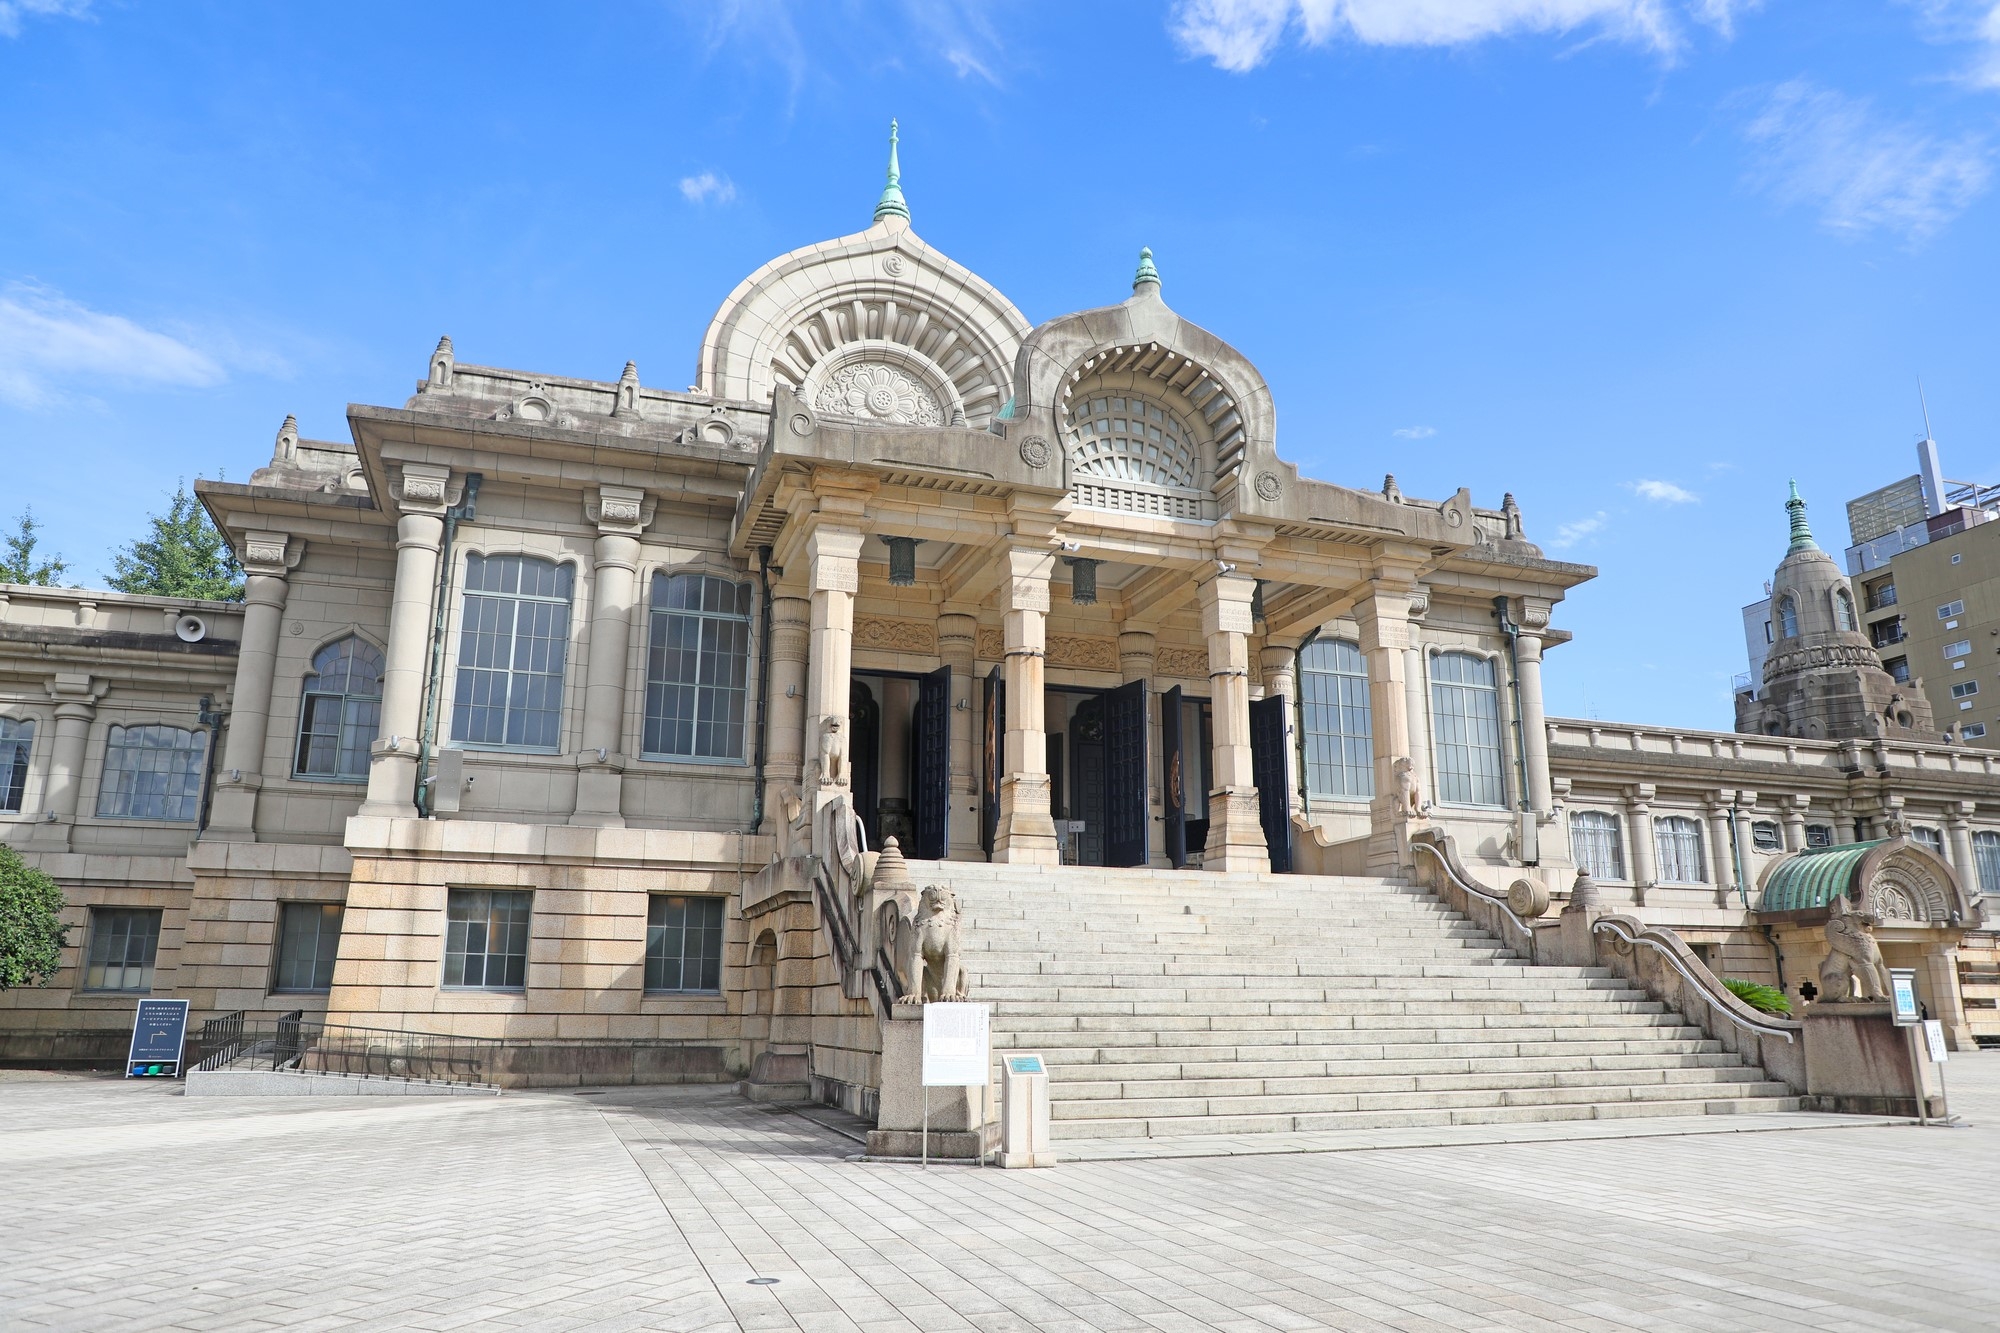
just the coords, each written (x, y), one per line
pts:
(1764, 999)
(32, 934)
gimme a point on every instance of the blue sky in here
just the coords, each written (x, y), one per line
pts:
(1637, 261)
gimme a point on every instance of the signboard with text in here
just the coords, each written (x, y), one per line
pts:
(1903, 997)
(956, 1050)
(1934, 1039)
(159, 1029)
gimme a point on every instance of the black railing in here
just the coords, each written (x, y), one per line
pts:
(220, 1037)
(294, 1042)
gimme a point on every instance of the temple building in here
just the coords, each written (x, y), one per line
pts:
(551, 702)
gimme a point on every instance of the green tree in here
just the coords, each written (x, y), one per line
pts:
(32, 934)
(18, 561)
(183, 557)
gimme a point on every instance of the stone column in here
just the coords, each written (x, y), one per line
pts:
(1941, 968)
(1027, 832)
(1958, 840)
(1639, 809)
(620, 513)
(1235, 832)
(785, 731)
(1385, 639)
(1280, 668)
(833, 556)
(1721, 856)
(1533, 618)
(240, 774)
(76, 697)
(392, 759)
(958, 639)
(1416, 691)
(1794, 809)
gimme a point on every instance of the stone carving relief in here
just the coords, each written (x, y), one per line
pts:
(832, 753)
(535, 406)
(1855, 957)
(874, 390)
(1064, 650)
(1182, 663)
(898, 636)
(1035, 451)
(893, 266)
(1268, 486)
(927, 946)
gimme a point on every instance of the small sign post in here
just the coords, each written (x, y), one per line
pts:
(956, 1054)
(159, 1029)
(1907, 1013)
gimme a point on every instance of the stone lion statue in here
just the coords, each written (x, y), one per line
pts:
(832, 753)
(927, 947)
(1409, 796)
(1855, 955)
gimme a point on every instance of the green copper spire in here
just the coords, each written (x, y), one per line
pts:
(1802, 538)
(891, 204)
(1147, 273)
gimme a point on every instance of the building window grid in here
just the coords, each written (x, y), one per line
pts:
(1465, 708)
(1677, 840)
(1972, 731)
(1130, 439)
(308, 941)
(486, 939)
(153, 772)
(1961, 648)
(684, 945)
(1986, 859)
(1950, 609)
(340, 713)
(124, 942)
(1334, 712)
(1965, 689)
(697, 668)
(513, 645)
(17, 737)
(1595, 844)
(1766, 836)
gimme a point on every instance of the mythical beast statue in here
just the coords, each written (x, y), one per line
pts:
(1851, 936)
(927, 947)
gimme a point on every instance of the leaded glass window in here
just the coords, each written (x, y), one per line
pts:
(684, 944)
(152, 772)
(123, 944)
(1595, 844)
(1986, 856)
(340, 712)
(697, 668)
(1465, 717)
(308, 940)
(17, 737)
(1333, 709)
(1677, 840)
(513, 644)
(486, 939)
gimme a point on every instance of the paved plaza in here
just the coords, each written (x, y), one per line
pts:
(129, 1206)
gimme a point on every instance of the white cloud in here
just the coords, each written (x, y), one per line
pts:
(1569, 534)
(708, 188)
(1831, 152)
(1664, 492)
(1239, 35)
(1414, 432)
(1973, 21)
(13, 11)
(47, 339)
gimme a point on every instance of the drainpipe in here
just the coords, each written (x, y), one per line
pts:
(763, 686)
(1736, 850)
(1777, 954)
(427, 742)
(1299, 718)
(1513, 633)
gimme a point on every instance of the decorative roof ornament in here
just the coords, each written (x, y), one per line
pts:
(891, 204)
(1147, 273)
(1802, 538)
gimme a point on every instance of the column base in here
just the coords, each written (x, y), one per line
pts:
(233, 816)
(392, 785)
(1236, 833)
(47, 837)
(1027, 833)
(599, 793)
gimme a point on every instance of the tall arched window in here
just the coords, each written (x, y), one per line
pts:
(152, 773)
(1677, 839)
(1595, 844)
(1843, 609)
(697, 668)
(17, 737)
(513, 645)
(1333, 710)
(1788, 617)
(1986, 857)
(340, 711)
(1465, 718)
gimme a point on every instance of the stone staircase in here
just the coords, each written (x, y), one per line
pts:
(1197, 1003)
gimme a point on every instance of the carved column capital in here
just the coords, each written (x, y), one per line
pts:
(421, 488)
(619, 510)
(1027, 580)
(270, 554)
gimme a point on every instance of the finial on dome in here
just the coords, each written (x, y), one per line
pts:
(891, 204)
(1147, 273)
(1802, 538)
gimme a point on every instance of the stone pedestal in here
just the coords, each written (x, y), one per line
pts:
(1858, 1062)
(783, 1073)
(959, 1125)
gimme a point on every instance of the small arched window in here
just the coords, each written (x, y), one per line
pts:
(17, 737)
(1843, 609)
(1333, 709)
(1677, 839)
(1788, 617)
(340, 711)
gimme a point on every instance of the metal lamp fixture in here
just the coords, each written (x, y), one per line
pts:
(1082, 580)
(902, 561)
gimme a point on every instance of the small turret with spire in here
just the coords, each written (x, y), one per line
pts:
(1147, 273)
(891, 204)
(1802, 538)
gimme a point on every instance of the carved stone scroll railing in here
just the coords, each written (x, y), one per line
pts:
(1485, 907)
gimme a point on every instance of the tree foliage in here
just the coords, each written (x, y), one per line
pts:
(19, 560)
(1764, 999)
(32, 934)
(184, 556)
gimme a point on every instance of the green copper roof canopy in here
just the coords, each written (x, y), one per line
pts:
(1802, 538)
(1146, 273)
(891, 203)
(1813, 877)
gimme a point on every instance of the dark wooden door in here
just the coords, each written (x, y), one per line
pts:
(933, 767)
(1125, 815)
(1086, 788)
(864, 757)
(1267, 770)
(995, 757)
(1173, 783)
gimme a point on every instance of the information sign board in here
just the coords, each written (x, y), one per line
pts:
(1903, 996)
(1934, 1038)
(956, 1050)
(159, 1029)
(1025, 1064)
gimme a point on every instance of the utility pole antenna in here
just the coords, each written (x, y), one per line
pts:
(1925, 406)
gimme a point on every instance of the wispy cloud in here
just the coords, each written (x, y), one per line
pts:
(48, 343)
(1662, 492)
(1975, 22)
(1240, 35)
(1827, 151)
(1569, 534)
(1414, 432)
(708, 188)
(13, 11)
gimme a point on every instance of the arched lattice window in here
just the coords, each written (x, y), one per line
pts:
(340, 711)
(1130, 439)
(1843, 609)
(1595, 844)
(17, 737)
(152, 773)
(1465, 718)
(697, 668)
(511, 652)
(1788, 618)
(1333, 709)
(1677, 839)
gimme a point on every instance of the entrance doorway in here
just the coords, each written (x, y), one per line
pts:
(1097, 772)
(899, 751)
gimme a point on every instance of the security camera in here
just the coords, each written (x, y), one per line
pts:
(1224, 567)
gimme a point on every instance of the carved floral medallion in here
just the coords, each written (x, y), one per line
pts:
(871, 389)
